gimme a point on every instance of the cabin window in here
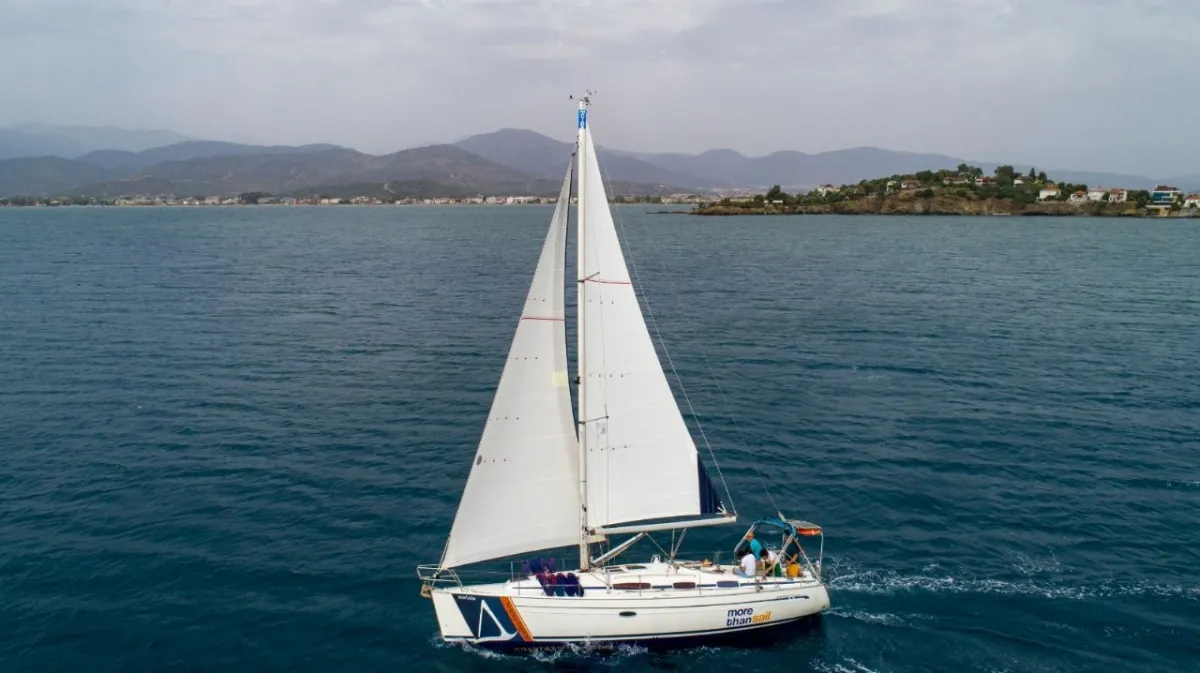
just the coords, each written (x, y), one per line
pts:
(631, 586)
(685, 585)
(627, 613)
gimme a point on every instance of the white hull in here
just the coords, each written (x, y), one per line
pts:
(518, 614)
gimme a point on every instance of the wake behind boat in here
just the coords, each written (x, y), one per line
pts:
(626, 464)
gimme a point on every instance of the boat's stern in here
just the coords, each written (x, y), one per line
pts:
(820, 598)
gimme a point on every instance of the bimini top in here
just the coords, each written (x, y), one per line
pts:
(793, 527)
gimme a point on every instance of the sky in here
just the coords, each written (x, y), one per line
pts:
(1085, 84)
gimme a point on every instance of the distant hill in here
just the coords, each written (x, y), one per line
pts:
(420, 189)
(1190, 183)
(796, 170)
(429, 188)
(228, 169)
(279, 172)
(541, 156)
(193, 149)
(506, 162)
(114, 159)
(729, 168)
(537, 154)
(36, 176)
(16, 144)
(113, 188)
(105, 137)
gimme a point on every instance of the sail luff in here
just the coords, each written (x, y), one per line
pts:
(585, 552)
(521, 494)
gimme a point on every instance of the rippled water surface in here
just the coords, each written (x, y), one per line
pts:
(229, 435)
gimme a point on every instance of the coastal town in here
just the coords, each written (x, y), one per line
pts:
(259, 199)
(966, 190)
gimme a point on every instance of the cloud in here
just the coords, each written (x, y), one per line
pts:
(1099, 84)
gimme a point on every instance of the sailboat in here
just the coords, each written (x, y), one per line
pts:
(625, 463)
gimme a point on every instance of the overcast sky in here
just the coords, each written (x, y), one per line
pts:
(1088, 84)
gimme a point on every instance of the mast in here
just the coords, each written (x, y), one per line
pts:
(585, 553)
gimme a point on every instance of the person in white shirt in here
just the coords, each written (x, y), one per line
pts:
(748, 566)
(769, 559)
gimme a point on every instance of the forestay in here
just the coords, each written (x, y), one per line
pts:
(641, 461)
(523, 490)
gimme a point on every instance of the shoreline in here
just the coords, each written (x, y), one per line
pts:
(944, 206)
(1150, 215)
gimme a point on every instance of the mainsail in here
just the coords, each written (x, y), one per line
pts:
(641, 462)
(523, 490)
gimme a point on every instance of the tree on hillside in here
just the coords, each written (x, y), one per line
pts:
(925, 176)
(251, 197)
(774, 193)
(1066, 189)
(1005, 175)
(1139, 196)
(1032, 175)
(1041, 176)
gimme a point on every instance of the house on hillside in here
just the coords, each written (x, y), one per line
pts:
(825, 190)
(1165, 195)
(910, 184)
(984, 180)
(1049, 192)
(1192, 201)
(1117, 195)
(955, 180)
(1078, 197)
(1018, 180)
(1096, 194)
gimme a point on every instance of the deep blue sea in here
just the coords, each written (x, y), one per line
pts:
(228, 435)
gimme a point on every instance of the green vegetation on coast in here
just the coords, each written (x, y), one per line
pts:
(963, 191)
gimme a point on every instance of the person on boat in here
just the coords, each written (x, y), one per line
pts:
(754, 546)
(748, 566)
(770, 561)
(793, 567)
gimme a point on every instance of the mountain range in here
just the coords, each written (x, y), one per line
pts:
(107, 162)
(724, 168)
(69, 142)
(284, 170)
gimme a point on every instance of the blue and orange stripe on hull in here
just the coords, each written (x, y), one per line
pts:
(750, 636)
